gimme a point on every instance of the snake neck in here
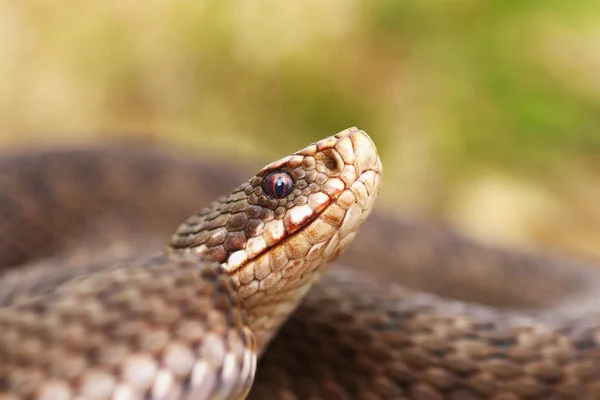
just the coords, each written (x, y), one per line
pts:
(276, 234)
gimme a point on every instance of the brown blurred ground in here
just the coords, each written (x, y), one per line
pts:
(486, 112)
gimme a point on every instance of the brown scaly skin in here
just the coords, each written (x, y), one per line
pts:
(191, 321)
(353, 336)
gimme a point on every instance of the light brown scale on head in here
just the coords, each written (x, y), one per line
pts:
(275, 245)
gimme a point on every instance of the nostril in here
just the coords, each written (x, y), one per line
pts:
(331, 159)
(330, 162)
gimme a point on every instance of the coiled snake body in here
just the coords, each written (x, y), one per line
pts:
(91, 307)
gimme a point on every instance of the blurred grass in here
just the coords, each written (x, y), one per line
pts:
(486, 112)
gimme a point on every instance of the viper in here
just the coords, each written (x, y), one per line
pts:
(130, 273)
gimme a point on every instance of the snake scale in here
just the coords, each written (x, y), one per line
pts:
(242, 302)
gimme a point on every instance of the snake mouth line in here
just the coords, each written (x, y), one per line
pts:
(289, 236)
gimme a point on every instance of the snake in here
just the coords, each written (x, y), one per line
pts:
(139, 273)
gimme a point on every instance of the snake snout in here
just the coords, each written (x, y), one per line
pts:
(364, 156)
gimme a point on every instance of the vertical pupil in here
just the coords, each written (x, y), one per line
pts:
(279, 186)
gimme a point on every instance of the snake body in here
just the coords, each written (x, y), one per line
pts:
(242, 302)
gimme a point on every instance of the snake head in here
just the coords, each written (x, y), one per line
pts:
(276, 233)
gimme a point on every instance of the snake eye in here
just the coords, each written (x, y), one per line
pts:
(277, 184)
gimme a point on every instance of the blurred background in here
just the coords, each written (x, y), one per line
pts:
(486, 113)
